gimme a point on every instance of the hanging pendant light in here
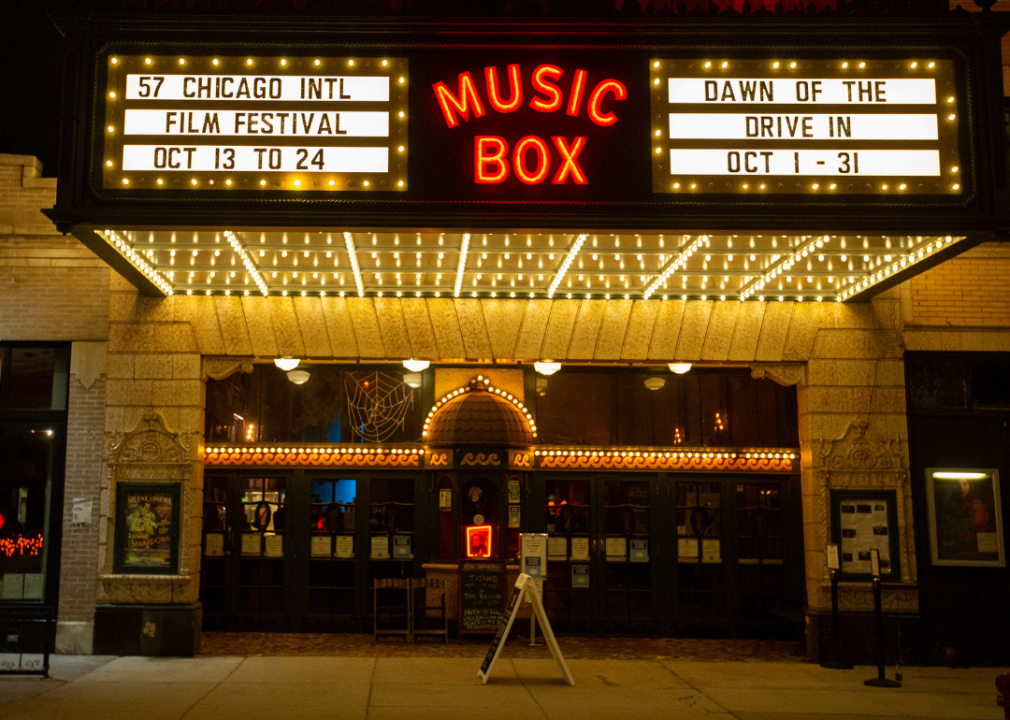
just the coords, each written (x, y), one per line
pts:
(299, 377)
(286, 363)
(679, 368)
(655, 382)
(416, 365)
(546, 367)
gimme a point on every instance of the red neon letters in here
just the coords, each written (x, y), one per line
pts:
(531, 156)
(491, 166)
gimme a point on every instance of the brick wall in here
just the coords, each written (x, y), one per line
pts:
(79, 552)
(52, 288)
(966, 291)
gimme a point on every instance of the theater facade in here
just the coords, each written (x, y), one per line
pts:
(677, 292)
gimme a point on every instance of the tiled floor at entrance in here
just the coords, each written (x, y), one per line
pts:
(400, 688)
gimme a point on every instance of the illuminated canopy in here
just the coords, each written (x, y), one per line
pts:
(629, 265)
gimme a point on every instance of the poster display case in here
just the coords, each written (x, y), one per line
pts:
(147, 528)
(965, 524)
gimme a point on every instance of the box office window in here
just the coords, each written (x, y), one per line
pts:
(314, 403)
(720, 408)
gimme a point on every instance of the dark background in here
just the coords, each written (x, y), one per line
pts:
(31, 50)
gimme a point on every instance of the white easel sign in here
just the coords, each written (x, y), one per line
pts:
(525, 586)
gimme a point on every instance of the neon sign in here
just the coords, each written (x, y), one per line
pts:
(478, 542)
(529, 158)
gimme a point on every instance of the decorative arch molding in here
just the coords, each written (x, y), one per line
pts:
(150, 453)
(785, 374)
(860, 461)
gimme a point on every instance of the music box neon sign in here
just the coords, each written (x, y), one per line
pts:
(532, 157)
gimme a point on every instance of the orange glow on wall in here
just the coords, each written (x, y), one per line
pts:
(494, 91)
(478, 542)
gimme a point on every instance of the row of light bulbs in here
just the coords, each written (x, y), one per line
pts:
(676, 265)
(497, 391)
(139, 262)
(902, 262)
(236, 246)
(356, 450)
(782, 266)
(576, 246)
(249, 62)
(698, 454)
(793, 65)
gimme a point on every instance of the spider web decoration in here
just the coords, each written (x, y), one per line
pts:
(377, 404)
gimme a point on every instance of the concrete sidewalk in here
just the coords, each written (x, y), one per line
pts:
(339, 688)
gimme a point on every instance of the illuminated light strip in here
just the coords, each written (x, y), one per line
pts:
(905, 261)
(675, 265)
(349, 241)
(138, 260)
(464, 246)
(250, 266)
(565, 265)
(651, 459)
(467, 388)
(783, 265)
(312, 455)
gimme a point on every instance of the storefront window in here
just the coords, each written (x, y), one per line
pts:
(332, 405)
(25, 484)
(703, 408)
(37, 378)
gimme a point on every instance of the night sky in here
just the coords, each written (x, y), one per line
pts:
(31, 49)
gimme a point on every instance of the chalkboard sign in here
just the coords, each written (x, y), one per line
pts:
(481, 596)
(504, 623)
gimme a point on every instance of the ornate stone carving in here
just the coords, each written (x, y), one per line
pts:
(482, 459)
(218, 368)
(151, 452)
(781, 373)
(859, 461)
(150, 443)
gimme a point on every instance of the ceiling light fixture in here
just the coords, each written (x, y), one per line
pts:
(679, 368)
(286, 363)
(416, 365)
(299, 377)
(655, 382)
(546, 367)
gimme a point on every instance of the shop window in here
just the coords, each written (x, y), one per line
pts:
(37, 378)
(990, 384)
(25, 480)
(704, 408)
(332, 405)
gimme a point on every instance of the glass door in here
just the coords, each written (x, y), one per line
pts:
(701, 577)
(245, 553)
(568, 588)
(625, 595)
(761, 554)
(599, 554)
(391, 529)
(334, 556)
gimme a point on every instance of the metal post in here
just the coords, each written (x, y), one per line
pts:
(836, 662)
(878, 622)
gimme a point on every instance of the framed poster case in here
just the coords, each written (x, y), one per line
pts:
(863, 521)
(147, 529)
(964, 512)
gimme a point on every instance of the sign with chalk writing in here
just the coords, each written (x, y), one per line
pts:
(481, 596)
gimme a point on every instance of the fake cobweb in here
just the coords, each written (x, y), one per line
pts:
(377, 404)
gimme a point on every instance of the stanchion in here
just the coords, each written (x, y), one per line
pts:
(836, 662)
(878, 621)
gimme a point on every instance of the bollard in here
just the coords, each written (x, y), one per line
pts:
(836, 662)
(1003, 699)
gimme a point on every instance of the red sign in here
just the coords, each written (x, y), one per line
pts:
(478, 542)
(529, 158)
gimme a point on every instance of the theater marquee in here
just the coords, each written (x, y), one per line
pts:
(270, 123)
(778, 126)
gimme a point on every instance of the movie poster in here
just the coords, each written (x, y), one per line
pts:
(147, 539)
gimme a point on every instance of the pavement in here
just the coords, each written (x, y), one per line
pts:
(308, 687)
